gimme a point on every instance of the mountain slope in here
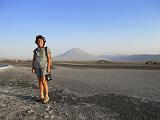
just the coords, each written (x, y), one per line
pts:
(79, 54)
(140, 57)
(76, 54)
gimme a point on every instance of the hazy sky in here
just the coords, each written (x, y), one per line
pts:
(96, 26)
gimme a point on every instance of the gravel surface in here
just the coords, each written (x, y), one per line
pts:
(82, 94)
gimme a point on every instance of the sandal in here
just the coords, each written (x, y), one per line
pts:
(46, 100)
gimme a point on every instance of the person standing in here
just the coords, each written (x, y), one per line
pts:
(41, 65)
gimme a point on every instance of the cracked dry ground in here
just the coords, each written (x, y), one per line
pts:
(17, 103)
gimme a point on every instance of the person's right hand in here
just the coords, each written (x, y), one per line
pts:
(33, 70)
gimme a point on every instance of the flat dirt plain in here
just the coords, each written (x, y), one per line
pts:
(83, 91)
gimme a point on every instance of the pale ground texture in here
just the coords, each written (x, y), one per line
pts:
(82, 94)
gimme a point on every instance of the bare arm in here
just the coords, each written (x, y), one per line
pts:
(49, 62)
(33, 69)
(33, 61)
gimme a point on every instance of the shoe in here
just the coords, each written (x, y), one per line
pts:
(40, 99)
(46, 100)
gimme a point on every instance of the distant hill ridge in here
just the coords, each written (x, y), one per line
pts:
(79, 54)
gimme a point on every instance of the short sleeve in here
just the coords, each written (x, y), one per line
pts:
(34, 50)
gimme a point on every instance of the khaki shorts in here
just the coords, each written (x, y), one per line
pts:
(40, 72)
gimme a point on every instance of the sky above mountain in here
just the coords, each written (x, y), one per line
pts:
(96, 26)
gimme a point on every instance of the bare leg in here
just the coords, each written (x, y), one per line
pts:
(45, 85)
(41, 87)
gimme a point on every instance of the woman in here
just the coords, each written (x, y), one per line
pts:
(41, 64)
